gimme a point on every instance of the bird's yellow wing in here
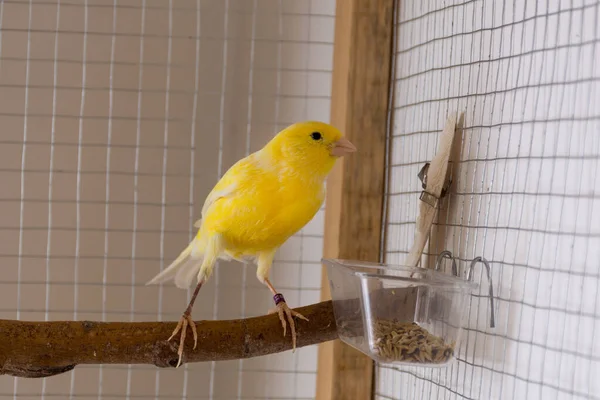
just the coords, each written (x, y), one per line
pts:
(227, 185)
(256, 206)
(213, 196)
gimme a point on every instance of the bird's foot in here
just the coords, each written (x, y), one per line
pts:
(285, 312)
(185, 320)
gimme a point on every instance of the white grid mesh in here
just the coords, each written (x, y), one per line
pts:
(527, 75)
(118, 117)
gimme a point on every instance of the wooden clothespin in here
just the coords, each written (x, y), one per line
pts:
(436, 182)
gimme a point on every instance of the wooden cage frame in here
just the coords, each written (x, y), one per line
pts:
(355, 189)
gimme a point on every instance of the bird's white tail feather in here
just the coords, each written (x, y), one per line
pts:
(186, 273)
(188, 258)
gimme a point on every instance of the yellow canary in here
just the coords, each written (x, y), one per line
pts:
(260, 202)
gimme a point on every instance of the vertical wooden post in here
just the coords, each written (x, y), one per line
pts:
(355, 189)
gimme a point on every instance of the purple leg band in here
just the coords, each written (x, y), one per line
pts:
(278, 298)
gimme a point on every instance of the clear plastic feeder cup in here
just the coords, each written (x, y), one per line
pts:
(400, 315)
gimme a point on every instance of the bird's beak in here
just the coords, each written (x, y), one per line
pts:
(342, 147)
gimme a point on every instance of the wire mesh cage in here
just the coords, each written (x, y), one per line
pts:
(526, 74)
(118, 117)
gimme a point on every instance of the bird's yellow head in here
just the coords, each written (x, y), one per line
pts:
(311, 145)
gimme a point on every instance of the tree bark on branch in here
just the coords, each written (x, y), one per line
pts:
(41, 349)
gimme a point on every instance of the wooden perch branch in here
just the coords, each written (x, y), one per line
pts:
(40, 349)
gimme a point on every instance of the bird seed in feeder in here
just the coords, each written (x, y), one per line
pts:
(408, 342)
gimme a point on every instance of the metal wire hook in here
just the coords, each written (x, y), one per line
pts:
(491, 286)
(446, 254)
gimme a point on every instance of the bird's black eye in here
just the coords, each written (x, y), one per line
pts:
(316, 136)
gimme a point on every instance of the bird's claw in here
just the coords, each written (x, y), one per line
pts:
(284, 311)
(185, 320)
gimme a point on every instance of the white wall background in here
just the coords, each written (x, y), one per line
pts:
(527, 76)
(117, 119)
